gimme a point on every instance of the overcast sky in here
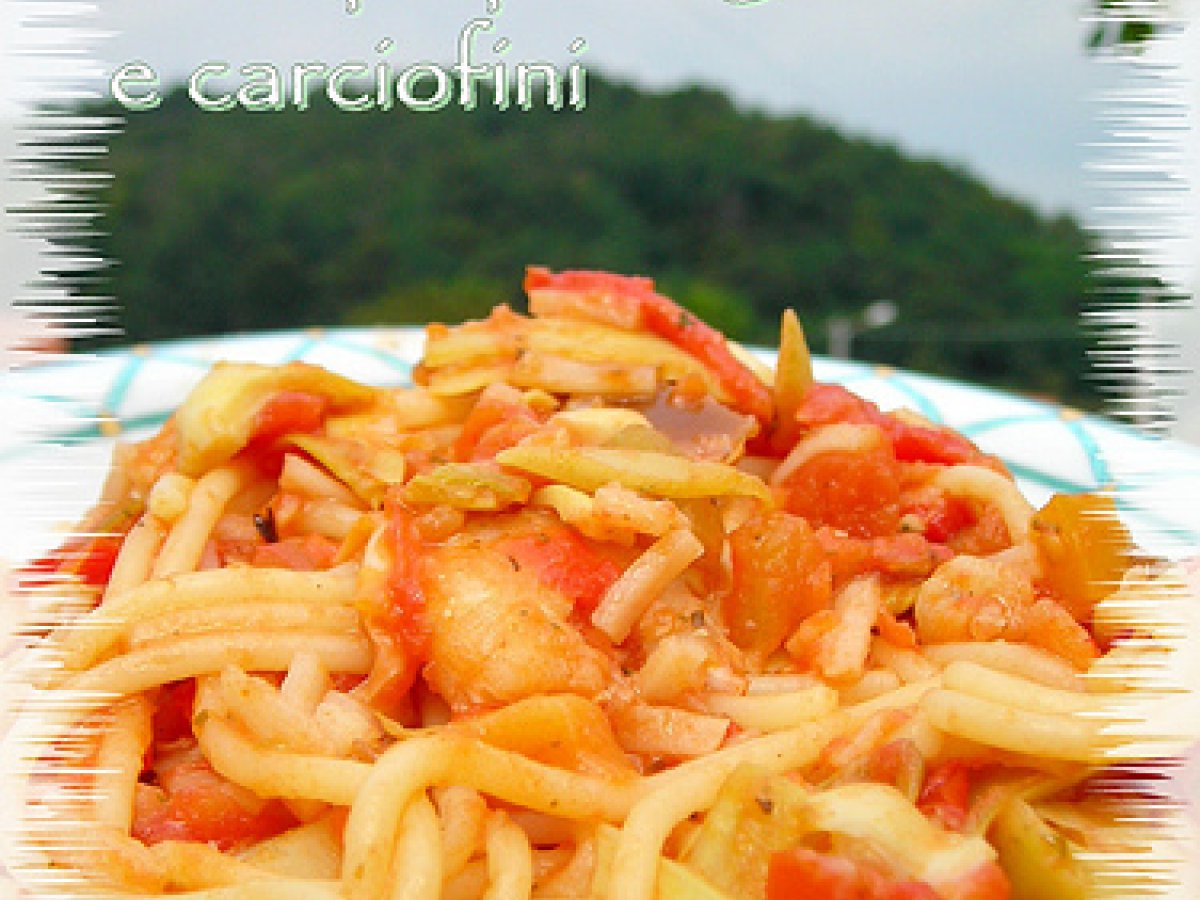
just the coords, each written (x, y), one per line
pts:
(1003, 87)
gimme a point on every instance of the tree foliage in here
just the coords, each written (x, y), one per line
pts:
(1117, 25)
(236, 221)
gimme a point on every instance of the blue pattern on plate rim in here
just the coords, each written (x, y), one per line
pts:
(86, 400)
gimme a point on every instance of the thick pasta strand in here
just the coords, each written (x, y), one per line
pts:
(417, 858)
(267, 771)
(119, 760)
(245, 617)
(421, 762)
(1050, 735)
(184, 545)
(187, 657)
(509, 860)
(988, 486)
(192, 866)
(629, 597)
(136, 560)
(84, 642)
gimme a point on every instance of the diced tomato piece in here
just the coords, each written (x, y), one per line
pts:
(87, 558)
(393, 672)
(901, 555)
(100, 556)
(90, 560)
(197, 804)
(345, 681)
(563, 560)
(406, 594)
(399, 626)
(173, 711)
(943, 517)
(920, 443)
(946, 795)
(853, 491)
(302, 554)
(988, 534)
(289, 412)
(986, 881)
(586, 280)
(497, 421)
(898, 763)
(670, 321)
(964, 525)
(285, 509)
(825, 404)
(284, 413)
(804, 645)
(802, 874)
(614, 298)
(895, 632)
(780, 578)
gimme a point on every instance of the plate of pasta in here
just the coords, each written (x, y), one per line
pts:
(582, 602)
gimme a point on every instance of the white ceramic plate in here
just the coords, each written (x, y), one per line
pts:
(63, 416)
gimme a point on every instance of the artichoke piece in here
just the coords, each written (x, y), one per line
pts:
(596, 425)
(472, 486)
(367, 471)
(641, 437)
(1037, 858)
(755, 815)
(1084, 548)
(219, 416)
(649, 472)
(399, 410)
(590, 342)
(675, 880)
(466, 346)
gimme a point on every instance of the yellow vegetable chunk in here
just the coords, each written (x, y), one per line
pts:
(366, 471)
(473, 486)
(755, 815)
(1085, 549)
(657, 474)
(1037, 859)
(675, 881)
(218, 417)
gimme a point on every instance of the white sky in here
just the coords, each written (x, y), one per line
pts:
(1001, 86)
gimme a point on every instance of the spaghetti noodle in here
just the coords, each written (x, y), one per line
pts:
(596, 608)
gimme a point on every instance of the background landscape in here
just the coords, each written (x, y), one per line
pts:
(237, 221)
(749, 156)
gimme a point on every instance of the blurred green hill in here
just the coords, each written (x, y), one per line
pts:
(232, 221)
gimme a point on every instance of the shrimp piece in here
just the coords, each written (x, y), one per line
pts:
(970, 598)
(499, 634)
(973, 599)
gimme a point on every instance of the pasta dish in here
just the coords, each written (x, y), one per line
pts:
(598, 606)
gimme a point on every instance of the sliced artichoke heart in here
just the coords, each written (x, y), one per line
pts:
(367, 471)
(219, 416)
(675, 881)
(1039, 860)
(479, 486)
(655, 474)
